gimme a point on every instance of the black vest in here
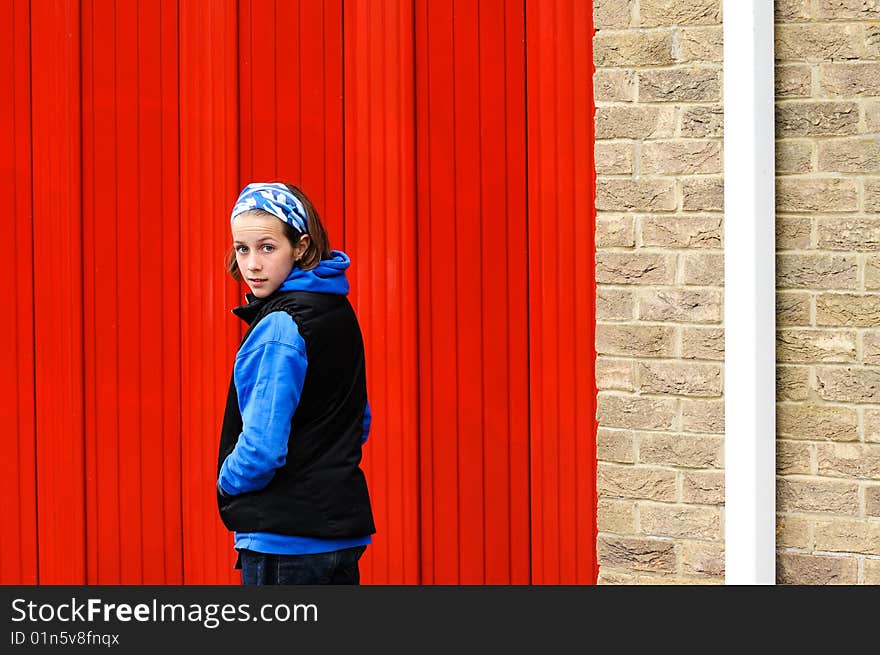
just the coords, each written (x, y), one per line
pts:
(320, 491)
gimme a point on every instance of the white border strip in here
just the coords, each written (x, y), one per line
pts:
(749, 294)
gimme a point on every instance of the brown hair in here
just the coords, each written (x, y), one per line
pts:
(319, 242)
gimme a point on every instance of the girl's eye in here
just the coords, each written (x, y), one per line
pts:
(241, 249)
(268, 248)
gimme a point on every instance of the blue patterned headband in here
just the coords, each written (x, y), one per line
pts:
(274, 198)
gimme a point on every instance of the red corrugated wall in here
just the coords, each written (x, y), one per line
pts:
(448, 147)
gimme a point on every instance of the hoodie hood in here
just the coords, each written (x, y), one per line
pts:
(327, 277)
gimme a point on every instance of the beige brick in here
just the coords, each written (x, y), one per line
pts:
(680, 521)
(702, 415)
(793, 81)
(792, 308)
(872, 41)
(636, 412)
(872, 194)
(850, 79)
(614, 85)
(616, 516)
(816, 118)
(700, 44)
(631, 49)
(615, 231)
(872, 273)
(793, 232)
(638, 340)
(635, 482)
(792, 383)
(793, 457)
(702, 121)
(615, 446)
(609, 576)
(680, 450)
(848, 309)
(673, 12)
(816, 194)
(872, 115)
(837, 9)
(849, 384)
(702, 343)
(820, 42)
(803, 569)
(681, 231)
(850, 155)
(683, 379)
(620, 577)
(792, 531)
(614, 157)
(682, 84)
(794, 156)
(625, 122)
(791, 11)
(702, 268)
(611, 14)
(871, 572)
(804, 346)
(690, 305)
(848, 535)
(872, 500)
(817, 422)
(636, 554)
(615, 194)
(816, 271)
(700, 558)
(871, 347)
(634, 267)
(847, 233)
(849, 460)
(614, 374)
(614, 304)
(703, 487)
(872, 425)
(683, 157)
(816, 495)
(702, 194)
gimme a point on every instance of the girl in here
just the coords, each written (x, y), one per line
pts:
(290, 484)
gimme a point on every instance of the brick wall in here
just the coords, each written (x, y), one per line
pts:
(659, 291)
(659, 268)
(828, 276)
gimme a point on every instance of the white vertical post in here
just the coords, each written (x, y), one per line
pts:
(749, 294)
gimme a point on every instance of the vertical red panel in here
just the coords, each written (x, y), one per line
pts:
(131, 328)
(159, 187)
(472, 313)
(380, 239)
(18, 506)
(291, 100)
(504, 260)
(438, 433)
(208, 187)
(562, 292)
(58, 315)
(101, 253)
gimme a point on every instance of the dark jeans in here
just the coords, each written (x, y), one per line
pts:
(337, 567)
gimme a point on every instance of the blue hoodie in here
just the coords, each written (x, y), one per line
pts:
(270, 369)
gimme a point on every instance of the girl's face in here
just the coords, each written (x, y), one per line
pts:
(265, 256)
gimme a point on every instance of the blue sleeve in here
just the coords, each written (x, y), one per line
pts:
(368, 419)
(269, 373)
